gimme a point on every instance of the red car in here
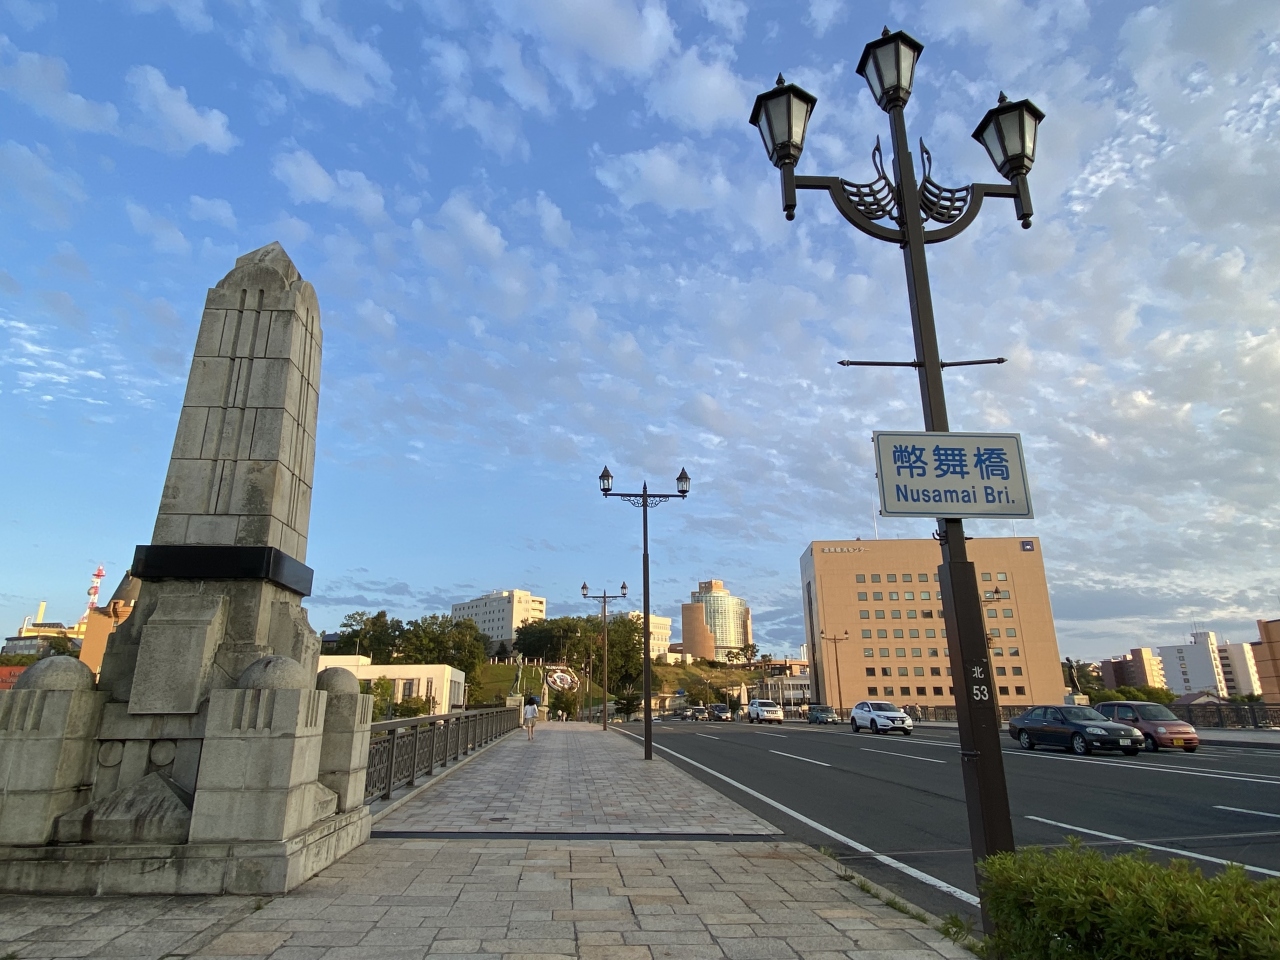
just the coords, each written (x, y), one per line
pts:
(1160, 726)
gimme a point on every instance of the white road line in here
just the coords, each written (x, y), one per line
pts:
(706, 736)
(1135, 765)
(805, 759)
(908, 756)
(1256, 813)
(1155, 846)
(888, 861)
(778, 735)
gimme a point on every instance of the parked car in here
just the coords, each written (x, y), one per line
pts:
(1160, 726)
(720, 712)
(879, 716)
(682, 713)
(699, 713)
(821, 713)
(763, 711)
(1080, 730)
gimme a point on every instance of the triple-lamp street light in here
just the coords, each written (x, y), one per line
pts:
(644, 499)
(897, 211)
(604, 597)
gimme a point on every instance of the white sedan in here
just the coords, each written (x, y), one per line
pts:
(879, 716)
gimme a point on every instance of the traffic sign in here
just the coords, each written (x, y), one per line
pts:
(952, 475)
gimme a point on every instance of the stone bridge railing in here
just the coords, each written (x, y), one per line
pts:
(401, 752)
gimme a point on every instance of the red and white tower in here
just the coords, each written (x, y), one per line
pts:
(93, 588)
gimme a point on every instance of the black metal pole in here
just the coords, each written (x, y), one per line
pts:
(986, 795)
(648, 677)
(604, 669)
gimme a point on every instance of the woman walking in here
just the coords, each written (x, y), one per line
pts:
(530, 714)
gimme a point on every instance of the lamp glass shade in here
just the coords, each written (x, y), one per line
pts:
(682, 482)
(1008, 132)
(782, 116)
(624, 588)
(889, 67)
(585, 589)
(606, 480)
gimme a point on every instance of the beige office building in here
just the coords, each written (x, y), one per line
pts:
(500, 613)
(1140, 667)
(714, 622)
(659, 633)
(884, 593)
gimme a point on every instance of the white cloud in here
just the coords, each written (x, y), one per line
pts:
(30, 13)
(730, 15)
(173, 123)
(164, 234)
(823, 14)
(319, 54)
(309, 182)
(555, 228)
(51, 192)
(615, 34)
(523, 84)
(700, 96)
(214, 211)
(42, 83)
(497, 127)
(190, 13)
(668, 175)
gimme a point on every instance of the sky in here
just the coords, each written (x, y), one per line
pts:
(545, 239)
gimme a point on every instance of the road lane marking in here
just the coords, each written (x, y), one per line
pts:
(805, 759)
(930, 880)
(1256, 813)
(706, 736)
(1135, 765)
(908, 756)
(1155, 846)
(778, 735)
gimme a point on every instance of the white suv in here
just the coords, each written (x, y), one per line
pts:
(879, 716)
(763, 711)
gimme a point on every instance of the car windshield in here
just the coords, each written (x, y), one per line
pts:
(766, 703)
(719, 708)
(1155, 711)
(1081, 713)
(820, 709)
(880, 706)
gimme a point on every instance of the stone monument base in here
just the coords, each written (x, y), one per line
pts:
(271, 867)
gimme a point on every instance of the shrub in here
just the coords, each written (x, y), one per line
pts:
(1075, 902)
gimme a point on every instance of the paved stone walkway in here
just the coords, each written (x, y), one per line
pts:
(573, 778)
(423, 897)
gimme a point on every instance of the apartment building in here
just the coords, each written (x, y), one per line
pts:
(1194, 667)
(1140, 667)
(500, 613)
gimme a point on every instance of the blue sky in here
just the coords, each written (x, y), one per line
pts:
(544, 239)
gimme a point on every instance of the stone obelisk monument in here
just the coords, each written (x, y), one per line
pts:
(208, 757)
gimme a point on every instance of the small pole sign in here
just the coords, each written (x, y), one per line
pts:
(952, 475)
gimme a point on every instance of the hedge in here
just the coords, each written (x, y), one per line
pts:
(1076, 903)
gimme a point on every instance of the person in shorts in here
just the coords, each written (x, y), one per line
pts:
(530, 715)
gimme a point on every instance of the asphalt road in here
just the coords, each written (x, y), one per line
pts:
(900, 802)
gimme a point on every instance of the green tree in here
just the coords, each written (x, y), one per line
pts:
(554, 640)
(626, 652)
(628, 701)
(701, 692)
(416, 707)
(441, 639)
(18, 659)
(383, 691)
(377, 636)
(61, 647)
(503, 651)
(566, 700)
(750, 652)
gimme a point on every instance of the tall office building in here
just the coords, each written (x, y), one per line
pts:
(714, 622)
(1239, 672)
(1194, 667)
(500, 613)
(884, 595)
(1140, 667)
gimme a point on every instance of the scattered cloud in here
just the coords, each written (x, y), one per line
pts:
(172, 122)
(51, 193)
(165, 236)
(308, 182)
(190, 13)
(668, 175)
(700, 96)
(43, 84)
(321, 56)
(729, 15)
(213, 211)
(30, 13)
(498, 127)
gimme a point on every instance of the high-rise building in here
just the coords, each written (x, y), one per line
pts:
(883, 596)
(659, 633)
(500, 613)
(1266, 657)
(1194, 667)
(714, 622)
(1140, 667)
(1239, 671)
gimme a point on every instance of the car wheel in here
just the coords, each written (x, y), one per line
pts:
(906, 733)
(875, 726)
(1130, 752)
(854, 723)
(1079, 745)
(1150, 744)
(1025, 741)
(1189, 749)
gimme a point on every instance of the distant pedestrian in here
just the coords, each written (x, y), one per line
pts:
(530, 715)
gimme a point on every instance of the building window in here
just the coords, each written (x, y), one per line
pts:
(881, 634)
(1010, 632)
(992, 613)
(897, 634)
(909, 595)
(1020, 691)
(929, 631)
(902, 671)
(951, 691)
(935, 671)
(900, 651)
(920, 692)
(896, 614)
(906, 578)
(875, 578)
(1017, 671)
(936, 578)
(1004, 691)
(891, 577)
(916, 652)
(879, 614)
(866, 634)
(997, 651)
(862, 578)
(918, 671)
(878, 595)
(884, 651)
(948, 671)
(886, 671)
(1008, 613)
(933, 651)
(986, 576)
(937, 691)
(1000, 672)
(924, 594)
(871, 671)
(893, 594)
(868, 651)
(871, 691)
(995, 631)
(862, 595)
(1013, 651)
(913, 634)
(864, 614)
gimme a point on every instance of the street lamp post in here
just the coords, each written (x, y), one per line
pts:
(897, 211)
(643, 500)
(836, 641)
(604, 597)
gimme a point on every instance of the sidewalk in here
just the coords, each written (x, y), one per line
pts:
(714, 883)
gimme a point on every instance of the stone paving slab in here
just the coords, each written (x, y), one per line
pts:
(572, 778)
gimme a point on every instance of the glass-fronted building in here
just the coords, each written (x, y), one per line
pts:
(714, 622)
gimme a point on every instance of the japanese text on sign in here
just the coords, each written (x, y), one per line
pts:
(951, 475)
